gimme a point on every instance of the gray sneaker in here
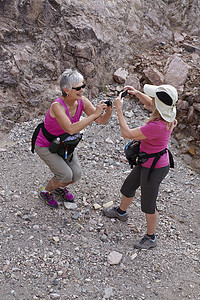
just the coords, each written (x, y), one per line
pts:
(112, 213)
(146, 243)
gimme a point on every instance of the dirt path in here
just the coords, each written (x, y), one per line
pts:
(62, 254)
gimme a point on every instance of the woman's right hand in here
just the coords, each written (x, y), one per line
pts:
(119, 102)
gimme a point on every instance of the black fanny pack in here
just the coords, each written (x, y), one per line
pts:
(63, 144)
(135, 157)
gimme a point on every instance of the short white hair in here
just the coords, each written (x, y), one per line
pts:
(69, 78)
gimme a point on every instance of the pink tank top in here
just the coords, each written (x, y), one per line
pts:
(52, 125)
(157, 139)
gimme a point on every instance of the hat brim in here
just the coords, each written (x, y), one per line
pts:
(150, 90)
(168, 113)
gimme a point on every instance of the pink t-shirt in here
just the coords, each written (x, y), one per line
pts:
(157, 139)
(52, 125)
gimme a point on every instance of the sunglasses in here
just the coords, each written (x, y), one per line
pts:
(78, 88)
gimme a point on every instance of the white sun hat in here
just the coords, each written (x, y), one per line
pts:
(165, 97)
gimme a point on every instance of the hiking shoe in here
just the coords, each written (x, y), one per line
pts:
(48, 199)
(146, 243)
(112, 213)
(67, 196)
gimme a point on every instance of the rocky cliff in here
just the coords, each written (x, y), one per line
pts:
(110, 42)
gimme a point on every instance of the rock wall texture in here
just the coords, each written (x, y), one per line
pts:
(110, 42)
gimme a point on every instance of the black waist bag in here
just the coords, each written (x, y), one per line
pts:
(135, 157)
(63, 144)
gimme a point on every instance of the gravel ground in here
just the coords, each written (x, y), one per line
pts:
(63, 253)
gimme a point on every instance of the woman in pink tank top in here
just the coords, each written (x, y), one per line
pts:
(63, 116)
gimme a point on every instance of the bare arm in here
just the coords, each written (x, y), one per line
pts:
(58, 112)
(127, 133)
(89, 109)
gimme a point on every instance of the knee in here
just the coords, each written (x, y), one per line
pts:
(148, 209)
(65, 177)
(77, 175)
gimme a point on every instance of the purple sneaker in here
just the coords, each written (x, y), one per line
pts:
(67, 196)
(48, 198)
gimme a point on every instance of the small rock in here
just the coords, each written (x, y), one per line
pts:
(129, 114)
(64, 273)
(109, 141)
(108, 204)
(103, 238)
(13, 292)
(5, 268)
(69, 205)
(105, 231)
(36, 227)
(18, 214)
(76, 272)
(56, 239)
(54, 296)
(192, 150)
(108, 293)
(120, 75)
(15, 197)
(60, 273)
(134, 256)
(96, 206)
(26, 218)
(114, 258)
(76, 215)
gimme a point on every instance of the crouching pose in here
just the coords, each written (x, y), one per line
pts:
(154, 137)
(63, 117)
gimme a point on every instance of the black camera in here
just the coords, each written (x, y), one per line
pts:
(124, 94)
(108, 102)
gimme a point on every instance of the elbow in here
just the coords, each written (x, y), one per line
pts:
(70, 131)
(101, 122)
(126, 136)
(104, 123)
(149, 107)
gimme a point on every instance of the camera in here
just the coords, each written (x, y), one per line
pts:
(108, 102)
(124, 94)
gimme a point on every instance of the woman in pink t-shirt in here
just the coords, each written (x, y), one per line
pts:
(154, 137)
(62, 117)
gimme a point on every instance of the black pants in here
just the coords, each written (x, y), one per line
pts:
(149, 186)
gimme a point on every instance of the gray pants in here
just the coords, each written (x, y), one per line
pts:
(64, 171)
